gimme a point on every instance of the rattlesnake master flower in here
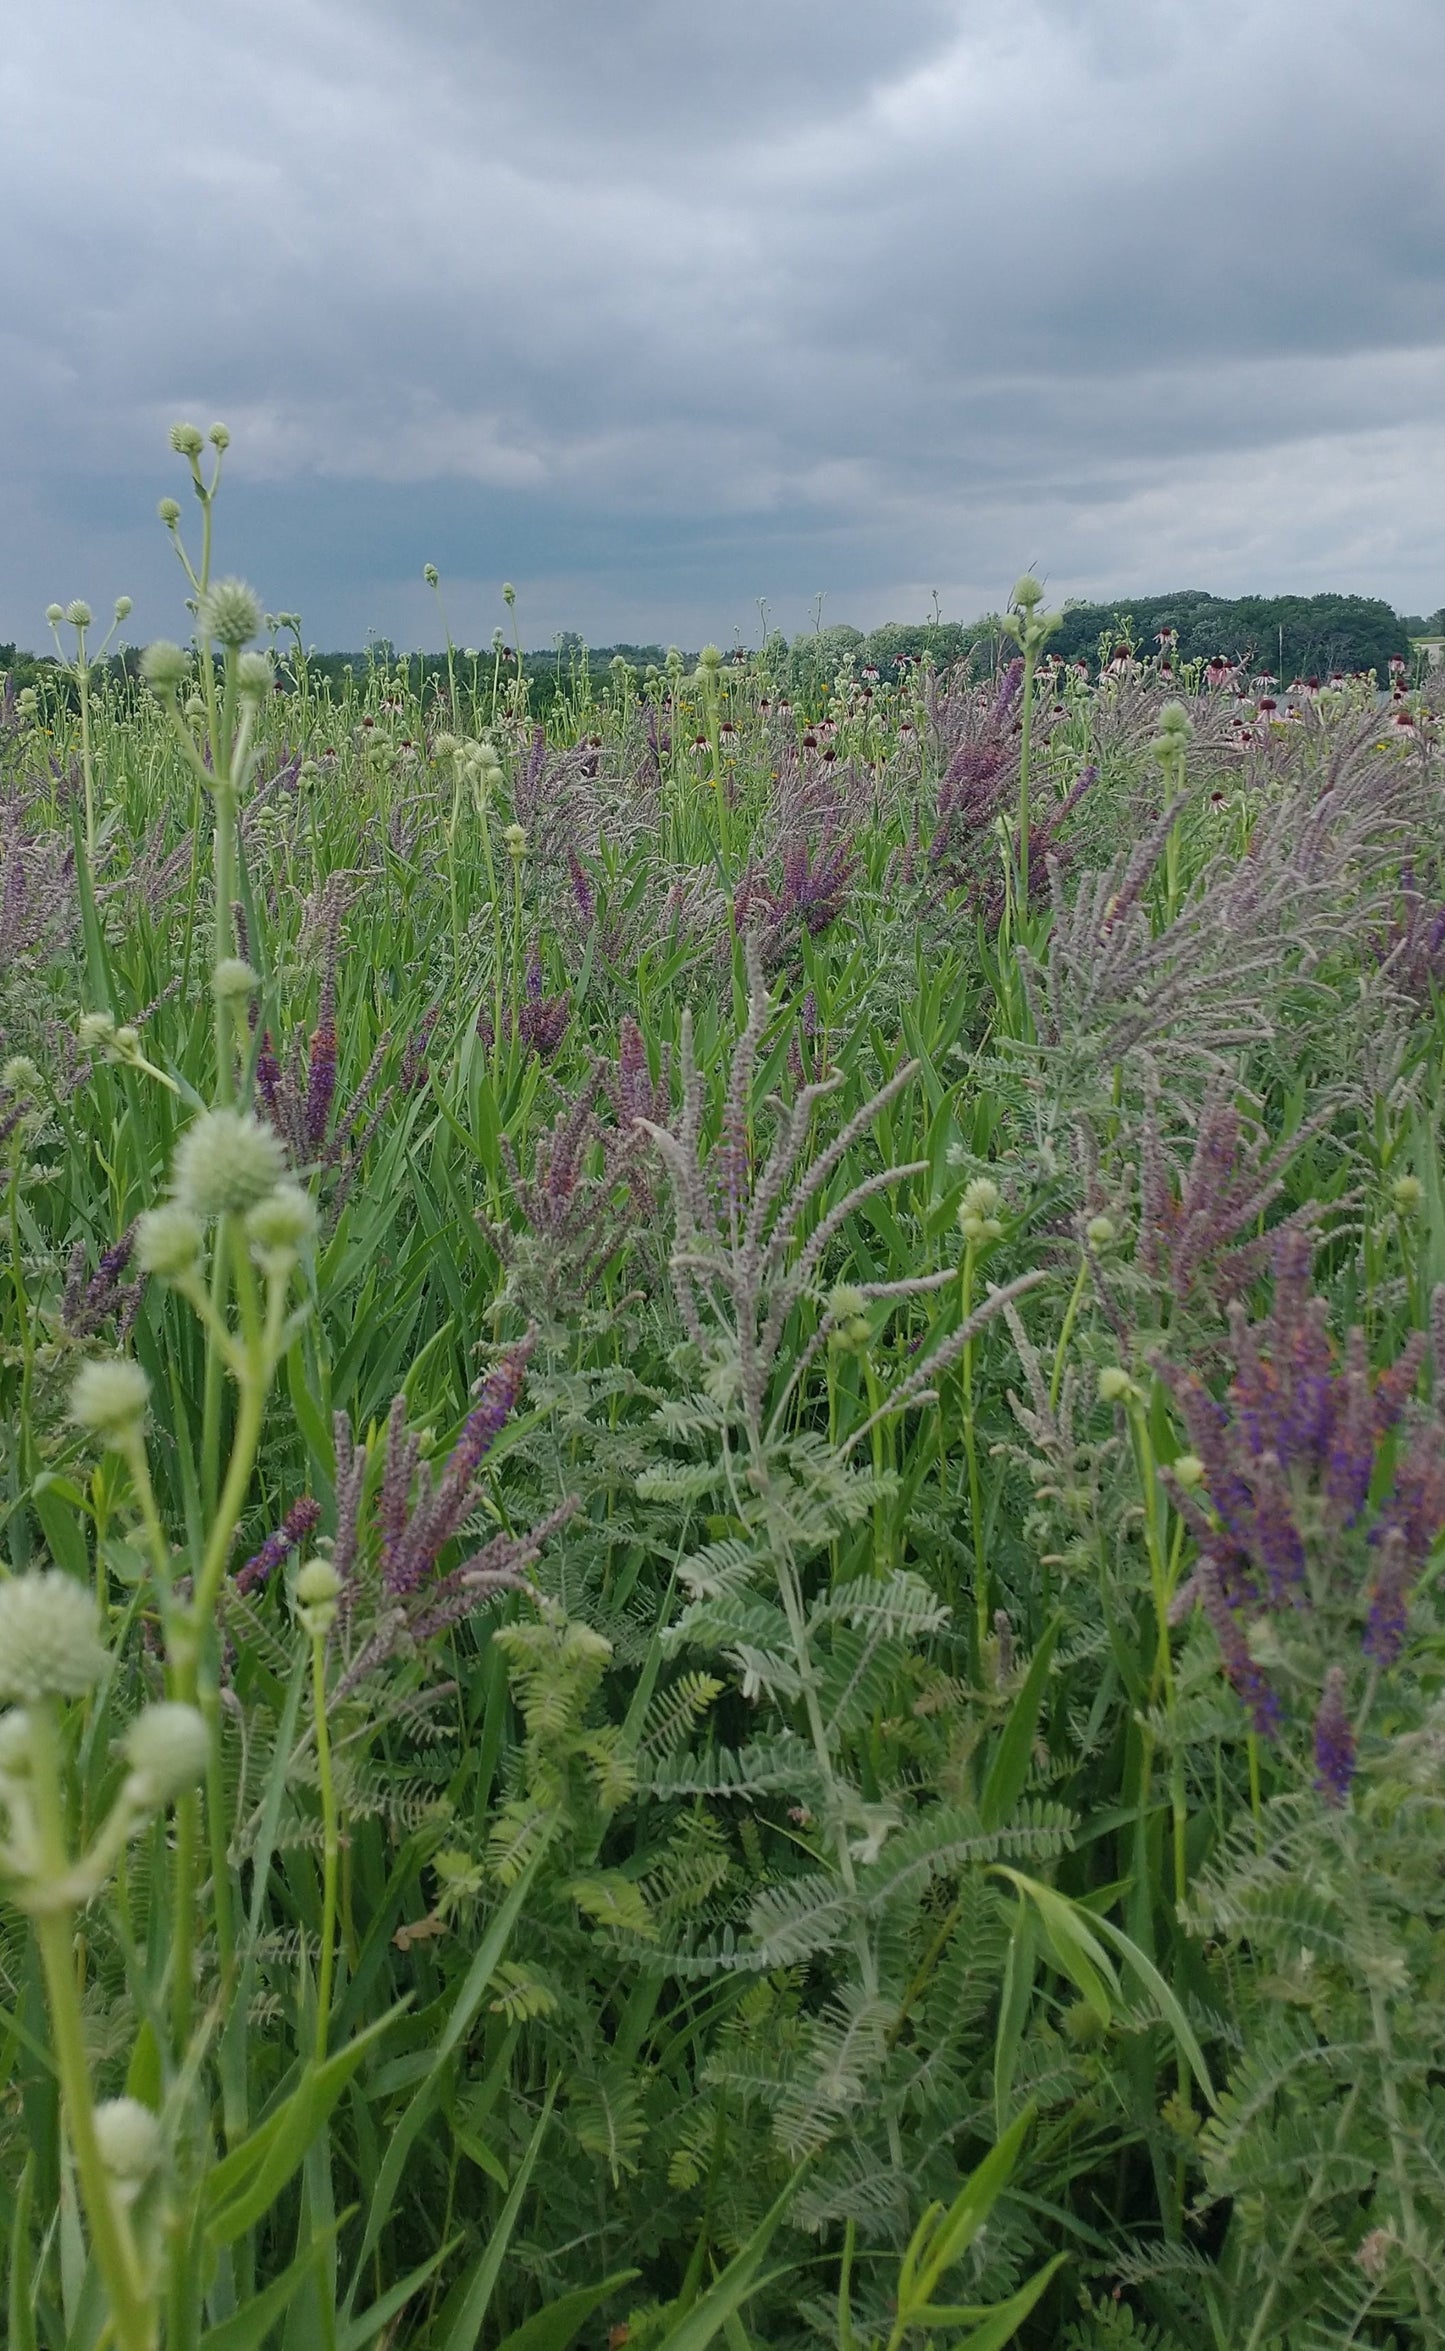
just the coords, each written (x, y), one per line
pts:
(230, 612)
(55, 613)
(167, 1242)
(1407, 1192)
(1175, 725)
(129, 2137)
(166, 1748)
(318, 1591)
(79, 614)
(226, 1163)
(1101, 1230)
(233, 980)
(123, 608)
(49, 1645)
(1027, 593)
(187, 440)
(277, 1226)
(169, 512)
(515, 842)
(164, 666)
(1115, 1385)
(110, 1399)
(219, 436)
(430, 574)
(254, 675)
(20, 1075)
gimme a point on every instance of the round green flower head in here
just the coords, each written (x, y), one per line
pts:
(55, 613)
(123, 608)
(49, 1645)
(109, 1399)
(231, 613)
(169, 512)
(164, 666)
(166, 1748)
(226, 1163)
(167, 1242)
(128, 2135)
(280, 1223)
(232, 980)
(187, 440)
(254, 675)
(79, 614)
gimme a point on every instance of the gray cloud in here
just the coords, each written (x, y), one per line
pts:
(655, 311)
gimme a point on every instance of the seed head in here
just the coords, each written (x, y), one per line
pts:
(226, 1163)
(166, 1748)
(165, 667)
(129, 2138)
(49, 1646)
(230, 612)
(109, 1399)
(167, 1242)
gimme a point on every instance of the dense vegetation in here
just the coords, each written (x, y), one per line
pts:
(722, 1477)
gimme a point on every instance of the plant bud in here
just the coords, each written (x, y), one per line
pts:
(167, 1242)
(49, 1646)
(845, 1301)
(1407, 1192)
(1189, 1471)
(318, 1589)
(509, 594)
(1175, 725)
(95, 1032)
(980, 1198)
(166, 1748)
(219, 437)
(231, 613)
(1115, 1385)
(109, 1399)
(55, 614)
(515, 840)
(1100, 1230)
(79, 614)
(255, 676)
(225, 1163)
(186, 440)
(169, 512)
(233, 980)
(430, 574)
(128, 2135)
(279, 1224)
(123, 608)
(1027, 593)
(20, 1075)
(165, 667)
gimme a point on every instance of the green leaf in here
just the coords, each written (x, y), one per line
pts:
(20, 2305)
(1005, 2319)
(471, 2300)
(1079, 1953)
(942, 2238)
(250, 2327)
(359, 2332)
(260, 2167)
(1018, 1985)
(1009, 1769)
(1168, 2004)
(731, 2288)
(555, 2327)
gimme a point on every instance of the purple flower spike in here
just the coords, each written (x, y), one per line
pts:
(1334, 1742)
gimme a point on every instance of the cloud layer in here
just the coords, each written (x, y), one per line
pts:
(657, 312)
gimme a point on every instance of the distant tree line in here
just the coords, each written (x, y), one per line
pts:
(1290, 636)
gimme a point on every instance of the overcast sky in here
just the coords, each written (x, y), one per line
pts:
(657, 309)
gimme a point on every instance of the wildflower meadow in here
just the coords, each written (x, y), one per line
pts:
(723, 1453)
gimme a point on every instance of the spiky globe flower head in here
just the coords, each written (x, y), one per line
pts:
(167, 1242)
(844, 1300)
(278, 1225)
(976, 1219)
(187, 440)
(166, 1748)
(1100, 1230)
(20, 1075)
(255, 676)
(1027, 593)
(130, 2141)
(233, 980)
(1175, 727)
(79, 614)
(515, 842)
(95, 1032)
(710, 658)
(1115, 1385)
(219, 436)
(55, 614)
(165, 667)
(318, 1590)
(230, 612)
(430, 574)
(123, 608)
(509, 594)
(225, 1163)
(169, 511)
(1407, 1192)
(1188, 1471)
(49, 1645)
(110, 1399)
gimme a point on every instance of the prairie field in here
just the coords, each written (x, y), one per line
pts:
(723, 1449)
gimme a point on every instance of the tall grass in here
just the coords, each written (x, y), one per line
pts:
(720, 1503)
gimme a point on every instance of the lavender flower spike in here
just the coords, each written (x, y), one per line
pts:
(1334, 1742)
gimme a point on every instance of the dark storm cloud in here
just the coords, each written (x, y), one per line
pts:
(655, 309)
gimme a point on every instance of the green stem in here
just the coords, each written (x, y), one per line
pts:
(331, 1846)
